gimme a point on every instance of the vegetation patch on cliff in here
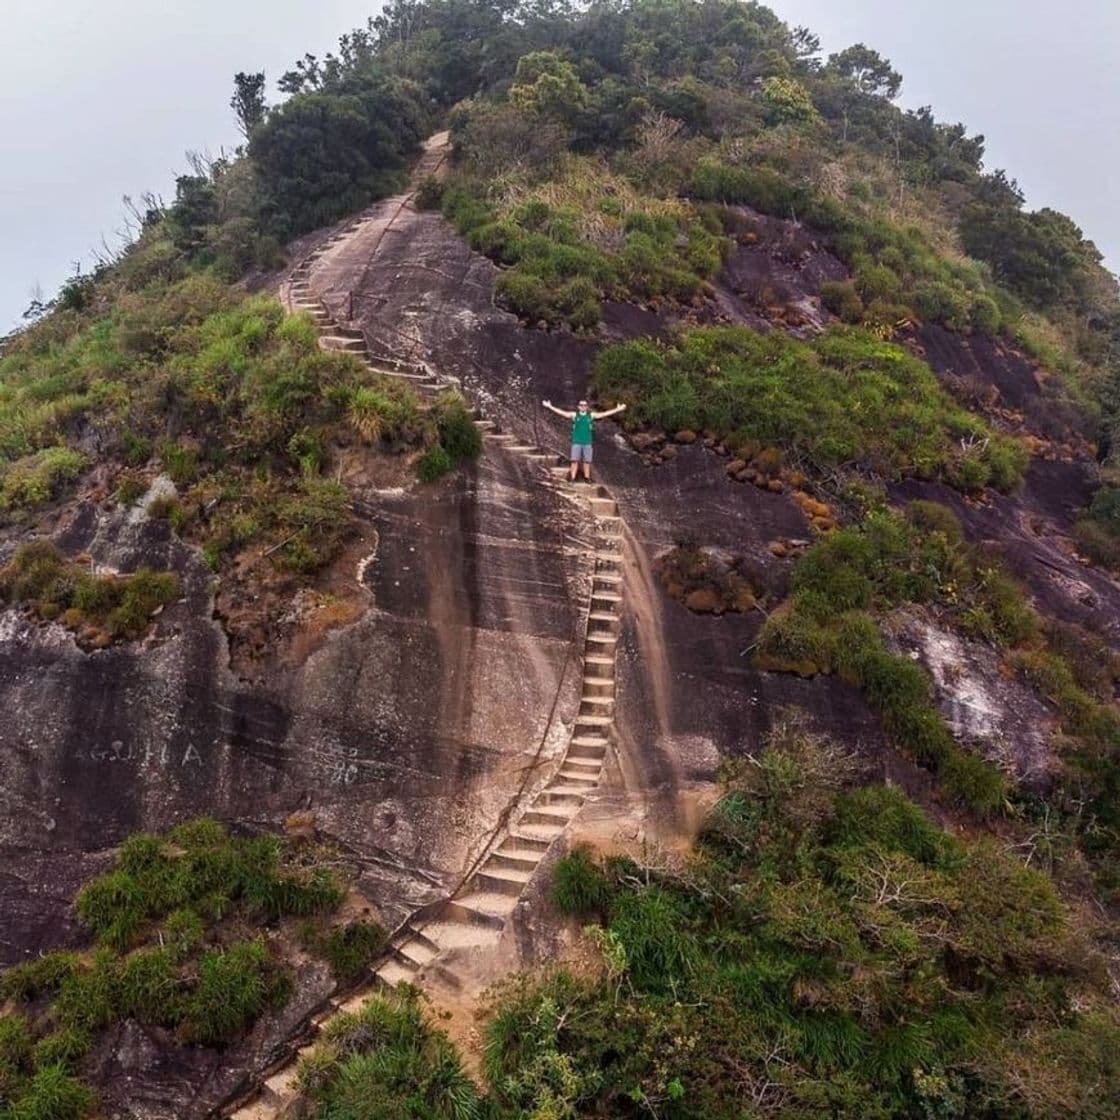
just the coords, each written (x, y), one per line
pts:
(99, 609)
(178, 947)
(845, 400)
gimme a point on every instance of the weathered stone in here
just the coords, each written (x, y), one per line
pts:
(685, 436)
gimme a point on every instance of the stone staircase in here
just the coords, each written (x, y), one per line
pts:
(432, 948)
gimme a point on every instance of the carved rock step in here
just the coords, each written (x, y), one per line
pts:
(603, 616)
(515, 858)
(460, 935)
(342, 342)
(417, 950)
(599, 660)
(546, 832)
(580, 779)
(585, 767)
(608, 556)
(596, 702)
(547, 815)
(587, 747)
(602, 638)
(598, 682)
(500, 880)
(562, 794)
(591, 724)
(282, 1085)
(394, 972)
(489, 904)
(602, 596)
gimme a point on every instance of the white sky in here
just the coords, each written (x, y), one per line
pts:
(100, 98)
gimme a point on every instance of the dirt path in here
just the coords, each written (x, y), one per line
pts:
(454, 948)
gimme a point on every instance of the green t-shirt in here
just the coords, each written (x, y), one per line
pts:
(581, 428)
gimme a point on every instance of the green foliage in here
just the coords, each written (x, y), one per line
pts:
(53, 1094)
(562, 265)
(828, 941)
(200, 866)
(235, 984)
(387, 1060)
(434, 464)
(887, 561)
(845, 398)
(39, 477)
(120, 607)
(41, 976)
(455, 428)
(327, 152)
(348, 949)
(578, 885)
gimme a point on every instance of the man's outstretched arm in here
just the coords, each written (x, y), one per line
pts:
(610, 412)
(559, 411)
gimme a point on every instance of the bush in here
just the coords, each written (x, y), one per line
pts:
(458, 434)
(845, 398)
(842, 299)
(348, 949)
(579, 886)
(38, 478)
(234, 986)
(434, 464)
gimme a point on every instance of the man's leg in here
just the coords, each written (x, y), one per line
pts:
(575, 463)
(586, 449)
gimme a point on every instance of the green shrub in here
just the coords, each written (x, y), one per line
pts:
(234, 986)
(434, 464)
(42, 976)
(843, 300)
(390, 1054)
(54, 1094)
(578, 884)
(38, 478)
(845, 398)
(458, 434)
(348, 949)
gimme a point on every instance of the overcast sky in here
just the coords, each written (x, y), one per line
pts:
(100, 98)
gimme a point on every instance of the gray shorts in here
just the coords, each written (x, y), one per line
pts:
(581, 453)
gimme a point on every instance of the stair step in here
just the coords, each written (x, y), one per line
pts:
(547, 832)
(607, 596)
(500, 437)
(416, 951)
(608, 557)
(464, 911)
(598, 701)
(522, 843)
(256, 1109)
(598, 659)
(585, 766)
(341, 342)
(524, 859)
(593, 721)
(603, 616)
(561, 794)
(591, 741)
(460, 935)
(394, 972)
(599, 682)
(558, 815)
(494, 880)
(602, 638)
(485, 425)
(283, 1084)
(488, 904)
(579, 778)
(355, 1003)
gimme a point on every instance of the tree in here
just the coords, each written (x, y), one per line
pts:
(194, 211)
(868, 71)
(247, 102)
(546, 84)
(787, 102)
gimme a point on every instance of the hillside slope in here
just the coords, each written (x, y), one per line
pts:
(807, 706)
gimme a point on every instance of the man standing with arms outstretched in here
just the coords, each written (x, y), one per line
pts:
(583, 420)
